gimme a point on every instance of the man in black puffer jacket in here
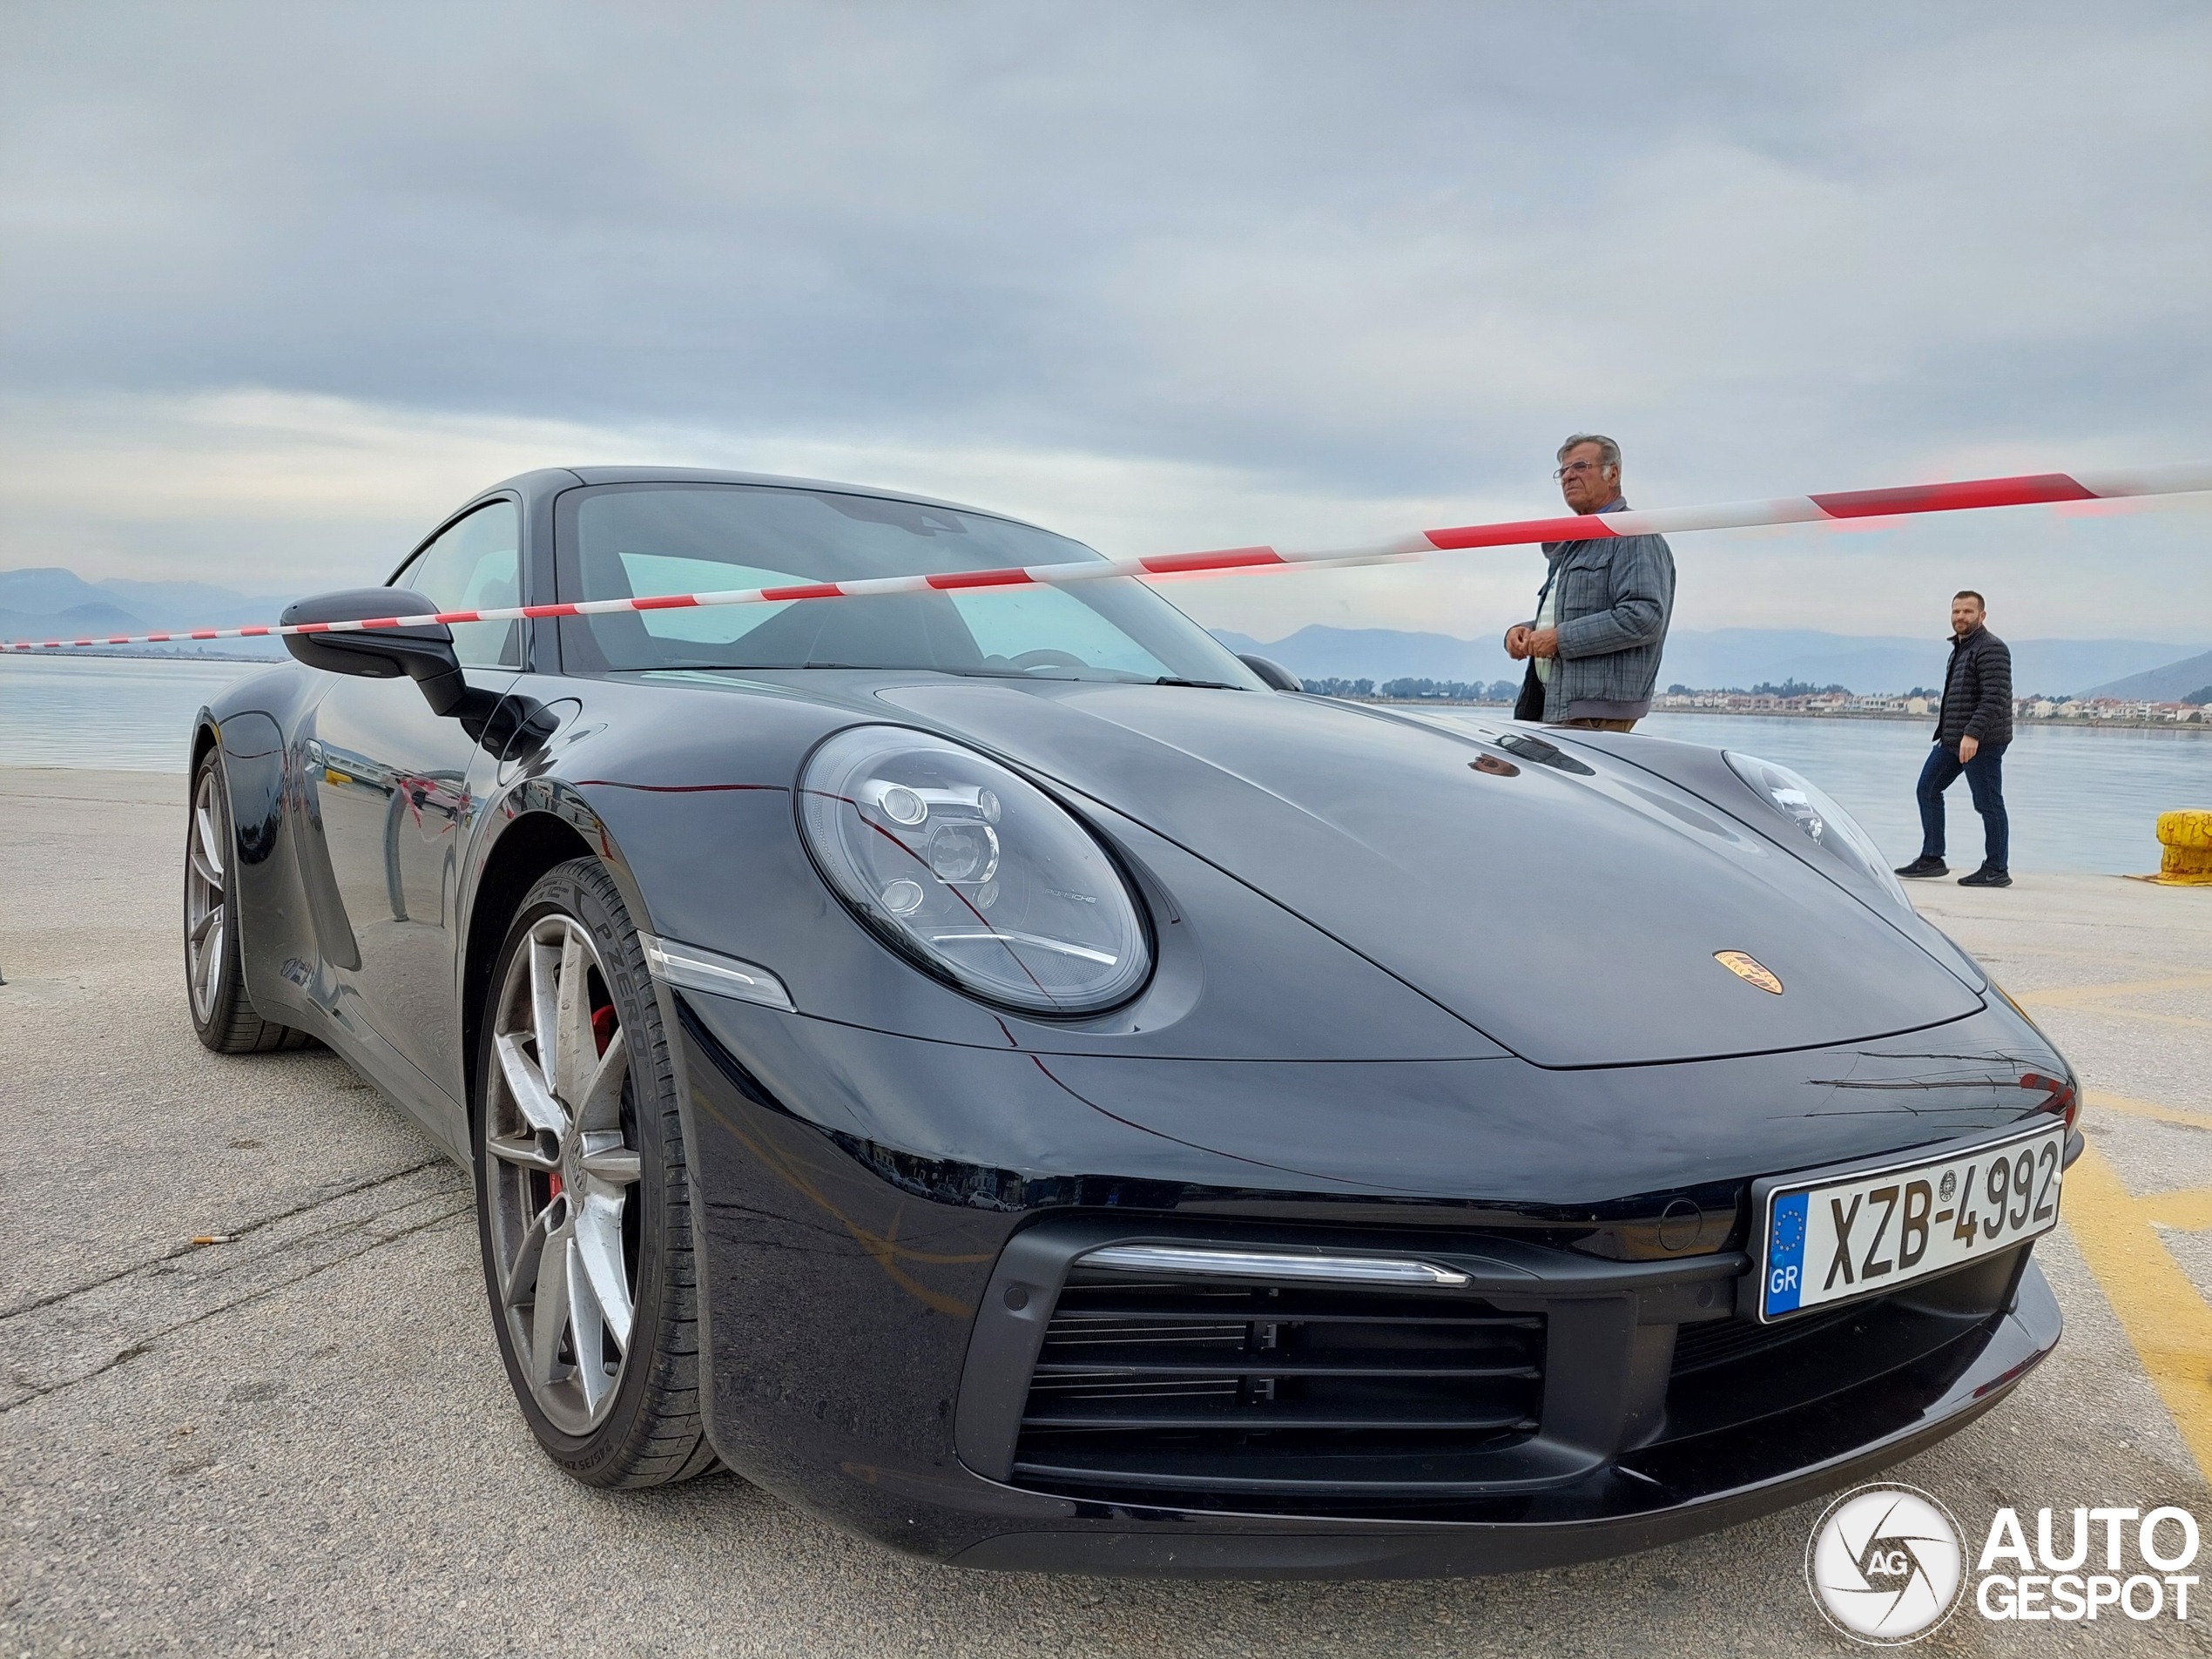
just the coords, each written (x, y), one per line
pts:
(1974, 725)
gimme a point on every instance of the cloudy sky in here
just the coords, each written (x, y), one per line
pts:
(280, 284)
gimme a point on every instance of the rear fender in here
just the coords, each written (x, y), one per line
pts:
(276, 947)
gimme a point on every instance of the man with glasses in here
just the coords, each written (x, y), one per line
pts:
(1593, 647)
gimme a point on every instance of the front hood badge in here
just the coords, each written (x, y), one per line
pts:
(1749, 968)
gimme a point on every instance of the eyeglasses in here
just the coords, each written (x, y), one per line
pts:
(1575, 467)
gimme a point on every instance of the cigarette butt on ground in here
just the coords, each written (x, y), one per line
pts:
(216, 1238)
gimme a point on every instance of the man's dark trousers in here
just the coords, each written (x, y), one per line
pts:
(1986, 781)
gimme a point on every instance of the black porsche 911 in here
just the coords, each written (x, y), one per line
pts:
(997, 1069)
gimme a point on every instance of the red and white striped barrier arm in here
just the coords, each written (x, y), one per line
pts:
(2029, 490)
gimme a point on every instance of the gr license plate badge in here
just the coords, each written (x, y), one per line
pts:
(1834, 1239)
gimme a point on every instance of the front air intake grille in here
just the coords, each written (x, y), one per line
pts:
(1697, 1347)
(1146, 1385)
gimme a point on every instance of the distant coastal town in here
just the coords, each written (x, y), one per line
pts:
(1793, 698)
(1921, 705)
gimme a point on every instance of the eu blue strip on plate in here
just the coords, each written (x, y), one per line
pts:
(1785, 1253)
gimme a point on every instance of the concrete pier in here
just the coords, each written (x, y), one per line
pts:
(302, 1440)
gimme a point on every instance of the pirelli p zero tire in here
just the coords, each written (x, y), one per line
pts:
(582, 1204)
(214, 981)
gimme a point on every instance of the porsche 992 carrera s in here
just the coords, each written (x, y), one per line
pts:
(1001, 1071)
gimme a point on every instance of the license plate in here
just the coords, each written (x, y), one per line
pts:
(1832, 1238)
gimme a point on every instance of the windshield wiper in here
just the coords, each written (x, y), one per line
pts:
(1203, 685)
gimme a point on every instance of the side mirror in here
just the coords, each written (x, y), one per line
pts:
(1277, 676)
(424, 654)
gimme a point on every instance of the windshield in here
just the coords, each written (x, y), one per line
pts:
(624, 540)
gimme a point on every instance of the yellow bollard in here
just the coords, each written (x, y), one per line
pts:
(2186, 837)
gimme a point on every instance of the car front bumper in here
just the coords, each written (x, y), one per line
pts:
(865, 1360)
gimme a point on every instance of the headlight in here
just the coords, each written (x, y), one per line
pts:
(976, 875)
(1820, 819)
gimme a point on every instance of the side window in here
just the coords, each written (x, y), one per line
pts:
(477, 565)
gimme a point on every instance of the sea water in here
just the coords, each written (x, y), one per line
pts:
(123, 713)
(2079, 798)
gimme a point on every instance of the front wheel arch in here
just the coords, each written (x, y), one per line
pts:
(533, 844)
(535, 825)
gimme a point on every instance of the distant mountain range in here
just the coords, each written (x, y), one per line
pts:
(53, 603)
(1745, 657)
(2167, 685)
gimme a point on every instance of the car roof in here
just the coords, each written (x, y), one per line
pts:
(552, 479)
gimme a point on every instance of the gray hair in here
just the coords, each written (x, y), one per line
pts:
(1608, 453)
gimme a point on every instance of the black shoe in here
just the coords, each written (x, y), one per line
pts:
(1924, 865)
(1985, 877)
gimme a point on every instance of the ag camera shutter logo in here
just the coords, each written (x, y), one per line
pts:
(1885, 1564)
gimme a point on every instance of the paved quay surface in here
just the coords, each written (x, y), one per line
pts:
(302, 1442)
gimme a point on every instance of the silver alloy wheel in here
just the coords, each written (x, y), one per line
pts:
(562, 1176)
(204, 905)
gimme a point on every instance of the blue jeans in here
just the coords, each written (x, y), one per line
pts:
(1985, 781)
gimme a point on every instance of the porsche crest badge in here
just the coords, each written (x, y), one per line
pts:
(1749, 968)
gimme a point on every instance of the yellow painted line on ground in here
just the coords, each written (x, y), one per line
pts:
(2188, 1211)
(2178, 1209)
(2095, 999)
(2126, 988)
(2166, 1321)
(2149, 1108)
(2087, 1005)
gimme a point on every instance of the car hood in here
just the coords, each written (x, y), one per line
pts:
(1573, 917)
